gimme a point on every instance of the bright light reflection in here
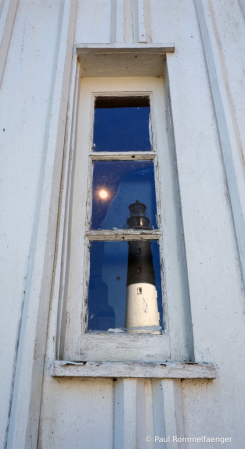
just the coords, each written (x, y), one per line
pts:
(103, 194)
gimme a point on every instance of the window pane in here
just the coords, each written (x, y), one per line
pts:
(125, 287)
(116, 185)
(122, 124)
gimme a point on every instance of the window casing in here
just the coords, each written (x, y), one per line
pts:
(77, 343)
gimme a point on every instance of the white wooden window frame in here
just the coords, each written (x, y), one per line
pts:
(73, 341)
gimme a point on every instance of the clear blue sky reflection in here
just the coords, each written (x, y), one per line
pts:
(116, 185)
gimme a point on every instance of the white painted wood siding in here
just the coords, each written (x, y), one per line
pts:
(36, 44)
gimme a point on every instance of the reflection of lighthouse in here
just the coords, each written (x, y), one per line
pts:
(141, 310)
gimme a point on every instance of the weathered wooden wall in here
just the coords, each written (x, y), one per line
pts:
(207, 94)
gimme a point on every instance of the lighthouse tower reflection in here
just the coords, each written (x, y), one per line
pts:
(141, 304)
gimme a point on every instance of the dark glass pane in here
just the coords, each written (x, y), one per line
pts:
(116, 185)
(122, 124)
(120, 294)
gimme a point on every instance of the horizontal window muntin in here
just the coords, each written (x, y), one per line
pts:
(123, 234)
(122, 156)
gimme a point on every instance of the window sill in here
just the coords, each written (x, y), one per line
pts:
(131, 369)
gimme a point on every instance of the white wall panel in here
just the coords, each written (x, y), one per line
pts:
(229, 26)
(93, 21)
(77, 414)
(24, 96)
(209, 410)
(24, 418)
(216, 292)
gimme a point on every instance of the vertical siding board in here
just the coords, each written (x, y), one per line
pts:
(147, 415)
(159, 418)
(242, 4)
(130, 21)
(119, 415)
(141, 421)
(58, 298)
(141, 23)
(94, 21)
(125, 414)
(117, 21)
(28, 378)
(23, 115)
(7, 18)
(173, 412)
(228, 140)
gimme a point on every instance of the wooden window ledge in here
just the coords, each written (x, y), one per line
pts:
(163, 370)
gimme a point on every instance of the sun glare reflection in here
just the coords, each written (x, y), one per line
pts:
(103, 194)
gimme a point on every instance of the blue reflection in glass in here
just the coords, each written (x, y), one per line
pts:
(122, 124)
(116, 185)
(108, 283)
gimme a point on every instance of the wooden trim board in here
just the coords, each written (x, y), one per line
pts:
(131, 369)
(122, 48)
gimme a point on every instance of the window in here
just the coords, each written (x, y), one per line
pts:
(125, 290)
(122, 124)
